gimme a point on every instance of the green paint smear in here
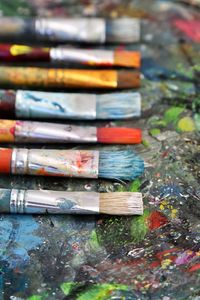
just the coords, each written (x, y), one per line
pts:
(145, 143)
(172, 114)
(35, 297)
(197, 121)
(66, 287)
(93, 242)
(134, 187)
(154, 131)
(101, 291)
(139, 227)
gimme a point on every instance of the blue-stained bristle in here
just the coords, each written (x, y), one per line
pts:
(118, 105)
(122, 164)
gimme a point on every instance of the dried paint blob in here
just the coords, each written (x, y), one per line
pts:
(191, 28)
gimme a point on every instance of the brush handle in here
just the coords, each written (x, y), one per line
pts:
(45, 162)
(81, 30)
(47, 105)
(22, 53)
(52, 202)
(88, 57)
(67, 78)
(41, 132)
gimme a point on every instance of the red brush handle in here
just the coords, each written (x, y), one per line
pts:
(20, 53)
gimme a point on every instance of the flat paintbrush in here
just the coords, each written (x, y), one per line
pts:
(88, 57)
(77, 30)
(33, 77)
(49, 105)
(42, 132)
(56, 202)
(119, 164)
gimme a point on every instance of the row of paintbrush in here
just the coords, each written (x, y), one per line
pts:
(119, 165)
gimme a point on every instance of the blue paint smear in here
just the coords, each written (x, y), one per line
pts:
(37, 99)
(170, 190)
(17, 237)
(155, 72)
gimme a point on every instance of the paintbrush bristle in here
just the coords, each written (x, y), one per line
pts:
(123, 30)
(128, 58)
(118, 105)
(128, 79)
(121, 203)
(120, 165)
(119, 135)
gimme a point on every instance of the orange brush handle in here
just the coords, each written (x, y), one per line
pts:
(5, 160)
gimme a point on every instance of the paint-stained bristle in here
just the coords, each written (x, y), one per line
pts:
(109, 135)
(128, 79)
(121, 165)
(118, 105)
(127, 58)
(121, 203)
(124, 30)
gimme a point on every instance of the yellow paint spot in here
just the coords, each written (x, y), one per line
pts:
(162, 207)
(174, 213)
(186, 124)
(165, 263)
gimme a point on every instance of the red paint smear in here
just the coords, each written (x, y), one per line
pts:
(165, 154)
(12, 130)
(162, 254)
(154, 264)
(194, 268)
(191, 28)
(156, 220)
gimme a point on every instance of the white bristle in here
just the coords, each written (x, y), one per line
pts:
(121, 203)
(123, 30)
(118, 105)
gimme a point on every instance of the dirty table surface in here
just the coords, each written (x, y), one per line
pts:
(154, 256)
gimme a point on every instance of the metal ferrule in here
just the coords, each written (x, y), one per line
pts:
(75, 30)
(30, 104)
(40, 202)
(45, 162)
(20, 164)
(81, 56)
(38, 132)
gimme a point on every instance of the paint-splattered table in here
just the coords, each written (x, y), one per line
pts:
(155, 256)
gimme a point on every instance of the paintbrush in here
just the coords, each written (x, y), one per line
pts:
(77, 30)
(48, 105)
(42, 132)
(67, 78)
(20, 201)
(87, 57)
(119, 165)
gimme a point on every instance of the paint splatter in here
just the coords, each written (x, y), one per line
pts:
(191, 28)
(186, 124)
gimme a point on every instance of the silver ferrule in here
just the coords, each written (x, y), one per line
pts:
(31, 104)
(82, 56)
(84, 30)
(53, 202)
(39, 132)
(20, 163)
(45, 162)
(17, 201)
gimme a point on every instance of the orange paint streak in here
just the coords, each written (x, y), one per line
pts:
(43, 172)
